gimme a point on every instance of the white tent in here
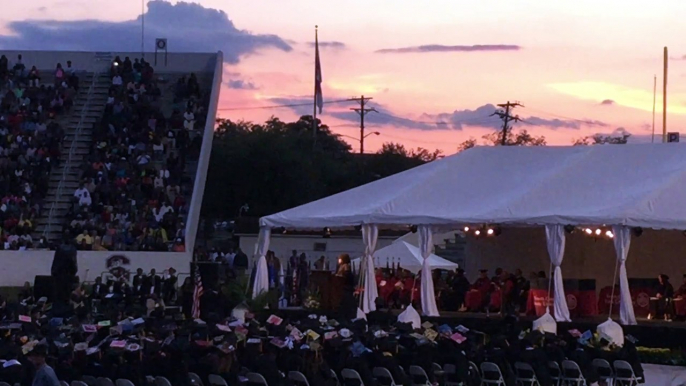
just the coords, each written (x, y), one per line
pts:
(623, 186)
(408, 256)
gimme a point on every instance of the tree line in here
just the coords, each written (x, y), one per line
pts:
(278, 165)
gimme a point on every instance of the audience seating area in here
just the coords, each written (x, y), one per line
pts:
(129, 185)
(32, 105)
(137, 181)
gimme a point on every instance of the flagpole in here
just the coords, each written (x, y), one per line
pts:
(314, 99)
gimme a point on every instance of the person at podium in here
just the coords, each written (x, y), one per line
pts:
(348, 307)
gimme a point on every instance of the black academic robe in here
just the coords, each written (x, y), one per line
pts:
(266, 366)
(538, 360)
(585, 362)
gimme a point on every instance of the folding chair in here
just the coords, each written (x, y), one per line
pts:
(124, 382)
(256, 379)
(195, 379)
(150, 380)
(525, 374)
(624, 374)
(555, 373)
(334, 376)
(419, 377)
(162, 381)
(383, 376)
(604, 370)
(351, 378)
(491, 375)
(88, 380)
(450, 375)
(216, 380)
(438, 370)
(78, 383)
(298, 378)
(571, 374)
(473, 373)
(103, 381)
(402, 371)
(64, 383)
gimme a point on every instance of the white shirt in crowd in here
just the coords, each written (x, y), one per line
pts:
(159, 213)
(117, 81)
(83, 196)
(189, 120)
(228, 258)
(143, 159)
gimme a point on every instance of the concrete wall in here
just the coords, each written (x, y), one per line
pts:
(653, 253)
(86, 61)
(282, 245)
(204, 159)
(21, 266)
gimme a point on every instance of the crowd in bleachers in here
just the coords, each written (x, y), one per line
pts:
(30, 141)
(135, 189)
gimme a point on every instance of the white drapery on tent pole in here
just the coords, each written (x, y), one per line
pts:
(427, 294)
(555, 240)
(622, 240)
(261, 283)
(370, 234)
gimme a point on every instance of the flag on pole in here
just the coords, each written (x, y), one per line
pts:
(197, 294)
(318, 96)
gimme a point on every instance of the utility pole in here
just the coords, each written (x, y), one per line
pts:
(362, 111)
(506, 117)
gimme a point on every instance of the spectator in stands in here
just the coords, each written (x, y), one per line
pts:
(60, 76)
(83, 196)
(188, 119)
(34, 77)
(117, 81)
(72, 77)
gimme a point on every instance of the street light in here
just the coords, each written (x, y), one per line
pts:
(361, 139)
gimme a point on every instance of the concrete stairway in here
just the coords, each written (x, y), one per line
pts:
(89, 105)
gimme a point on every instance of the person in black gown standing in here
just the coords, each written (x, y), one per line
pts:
(348, 308)
(63, 271)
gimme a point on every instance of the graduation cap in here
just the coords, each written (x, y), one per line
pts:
(444, 329)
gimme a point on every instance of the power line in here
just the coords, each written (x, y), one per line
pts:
(588, 122)
(280, 106)
(438, 123)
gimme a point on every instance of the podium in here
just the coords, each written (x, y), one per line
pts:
(330, 288)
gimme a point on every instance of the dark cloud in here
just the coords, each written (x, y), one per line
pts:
(189, 27)
(241, 84)
(442, 48)
(456, 120)
(607, 102)
(333, 45)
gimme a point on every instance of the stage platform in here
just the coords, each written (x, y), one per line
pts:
(650, 333)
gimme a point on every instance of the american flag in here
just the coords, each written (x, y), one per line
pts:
(319, 97)
(197, 294)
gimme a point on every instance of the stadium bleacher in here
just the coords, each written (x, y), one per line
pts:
(113, 160)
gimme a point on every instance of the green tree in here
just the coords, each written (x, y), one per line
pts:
(277, 165)
(519, 138)
(619, 137)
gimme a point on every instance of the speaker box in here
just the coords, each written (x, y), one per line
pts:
(43, 287)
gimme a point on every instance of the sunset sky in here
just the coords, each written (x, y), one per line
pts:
(579, 68)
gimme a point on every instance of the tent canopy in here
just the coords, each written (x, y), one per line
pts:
(408, 256)
(631, 185)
